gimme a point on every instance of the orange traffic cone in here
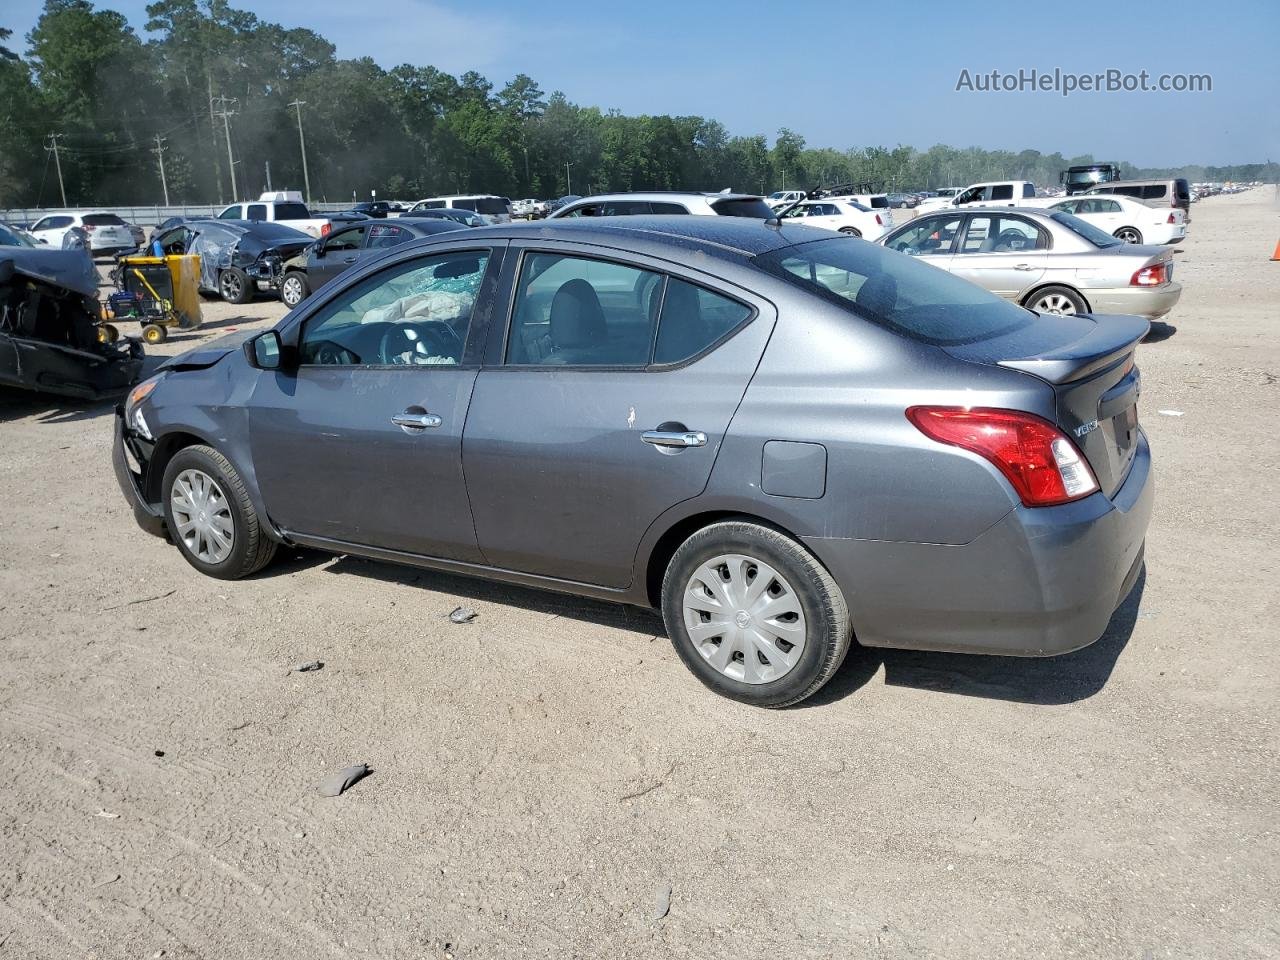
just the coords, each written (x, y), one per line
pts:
(1276, 255)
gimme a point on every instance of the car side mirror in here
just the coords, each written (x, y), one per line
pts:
(264, 352)
(318, 249)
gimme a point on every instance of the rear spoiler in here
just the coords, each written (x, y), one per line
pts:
(1110, 341)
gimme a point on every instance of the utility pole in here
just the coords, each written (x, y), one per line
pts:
(302, 143)
(568, 182)
(268, 163)
(57, 159)
(159, 152)
(226, 112)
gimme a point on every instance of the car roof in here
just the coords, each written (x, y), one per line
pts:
(670, 194)
(735, 237)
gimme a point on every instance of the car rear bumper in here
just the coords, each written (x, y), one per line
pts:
(1041, 582)
(132, 481)
(1149, 302)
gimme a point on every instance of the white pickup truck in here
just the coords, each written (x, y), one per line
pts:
(280, 206)
(1008, 193)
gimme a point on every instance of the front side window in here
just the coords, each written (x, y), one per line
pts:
(417, 313)
(345, 240)
(931, 235)
(231, 213)
(572, 311)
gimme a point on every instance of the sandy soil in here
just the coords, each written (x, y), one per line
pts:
(542, 773)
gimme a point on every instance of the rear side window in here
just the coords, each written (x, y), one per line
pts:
(665, 209)
(102, 220)
(752, 207)
(573, 311)
(877, 202)
(1028, 190)
(1002, 191)
(624, 208)
(693, 319)
(493, 206)
(907, 296)
(290, 211)
(1155, 191)
(384, 235)
(257, 211)
(1128, 191)
(465, 205)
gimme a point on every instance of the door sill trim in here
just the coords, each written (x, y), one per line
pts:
(464, 568)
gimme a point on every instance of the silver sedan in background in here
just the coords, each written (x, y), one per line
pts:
(1049, 261)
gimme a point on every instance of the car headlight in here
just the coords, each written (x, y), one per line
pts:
(132, 405)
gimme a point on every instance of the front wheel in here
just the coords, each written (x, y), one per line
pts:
(1128, 235)
(754, 615)
(293, 289)
(210, 516)
(233, 284)
(1061, 301)
(851, 231)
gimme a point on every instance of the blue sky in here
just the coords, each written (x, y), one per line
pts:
(846, 74)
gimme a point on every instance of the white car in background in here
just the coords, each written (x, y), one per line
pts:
(1127, 219)
(108, 234)
(843, 215)
(783, 198)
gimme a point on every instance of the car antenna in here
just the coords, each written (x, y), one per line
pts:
(776, 219)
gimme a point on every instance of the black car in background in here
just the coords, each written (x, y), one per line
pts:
(377, 209)
(329, 256)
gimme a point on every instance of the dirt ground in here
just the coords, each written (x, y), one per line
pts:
(542, 774)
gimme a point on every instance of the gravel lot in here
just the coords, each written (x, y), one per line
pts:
(542, 774)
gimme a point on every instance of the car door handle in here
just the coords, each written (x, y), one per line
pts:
(675, 438)
(1023, 266)
(416, 421)
(349, 259)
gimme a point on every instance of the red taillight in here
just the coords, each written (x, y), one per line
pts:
(1172, 219)
(1151, 276)
(325, 228)
(1037, 459)
(879, 222)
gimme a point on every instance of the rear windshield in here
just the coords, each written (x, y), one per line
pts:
(1099, 238)
(102, 220)
(895, 291)
(292, 211)
(748, 207)
(493, 206)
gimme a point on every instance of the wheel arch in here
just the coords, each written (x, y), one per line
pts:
(1039, 287)
(167, 447)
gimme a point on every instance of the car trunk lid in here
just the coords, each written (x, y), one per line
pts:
(1091, 367)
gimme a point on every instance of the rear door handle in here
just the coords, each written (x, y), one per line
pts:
(675, 438)
(1023, 266)
(349, 259)
(416, 421)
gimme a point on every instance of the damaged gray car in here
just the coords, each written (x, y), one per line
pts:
(237, 257)
(49, 328)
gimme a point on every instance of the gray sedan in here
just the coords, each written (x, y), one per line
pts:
(1049, 261)
(780, 438)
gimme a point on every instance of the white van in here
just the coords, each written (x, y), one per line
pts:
(493, 209)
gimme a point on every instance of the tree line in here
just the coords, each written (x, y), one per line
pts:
(107, 106)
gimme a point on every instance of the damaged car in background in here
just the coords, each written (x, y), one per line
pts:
(49, 318)
(238, 258)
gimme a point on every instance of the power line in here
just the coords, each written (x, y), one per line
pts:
(57, 160)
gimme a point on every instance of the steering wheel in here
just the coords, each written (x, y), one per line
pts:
(1013, 239)
(328, 353)
(429, 338)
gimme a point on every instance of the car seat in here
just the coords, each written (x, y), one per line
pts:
(576, 322)
(878, 296)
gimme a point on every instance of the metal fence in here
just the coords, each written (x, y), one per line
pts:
(144, 216)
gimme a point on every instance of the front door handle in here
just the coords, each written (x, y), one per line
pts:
(416, 421)
(1023, 266)
(349, 259)
(675, 438)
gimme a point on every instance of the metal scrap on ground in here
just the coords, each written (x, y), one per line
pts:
(463, 615)
(308, 666)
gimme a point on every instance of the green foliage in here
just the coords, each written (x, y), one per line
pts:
(408, 132)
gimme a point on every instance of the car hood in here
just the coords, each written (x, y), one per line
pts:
(207, 354)
(69, 269)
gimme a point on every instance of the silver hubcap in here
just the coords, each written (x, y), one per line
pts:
(744, 618)
(231, 285)
(1055, 303)
(1128, 236)
(202, 515)
(292, 291)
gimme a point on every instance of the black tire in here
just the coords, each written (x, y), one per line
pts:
(294, 289)
(828, 630)
(851, 231)
(251, 548)
(1128, 234)
(234, 285)
(154, 333)
(1056, 293)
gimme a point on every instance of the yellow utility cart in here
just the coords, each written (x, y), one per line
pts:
(157, 292)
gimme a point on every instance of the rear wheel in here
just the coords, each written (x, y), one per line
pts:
(1128, 235)
(154, 333)
(1062, 301)
(210, 516)
(108, 333)
(293, 289)
(754, 615)
(851, 231)
(233, 284)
